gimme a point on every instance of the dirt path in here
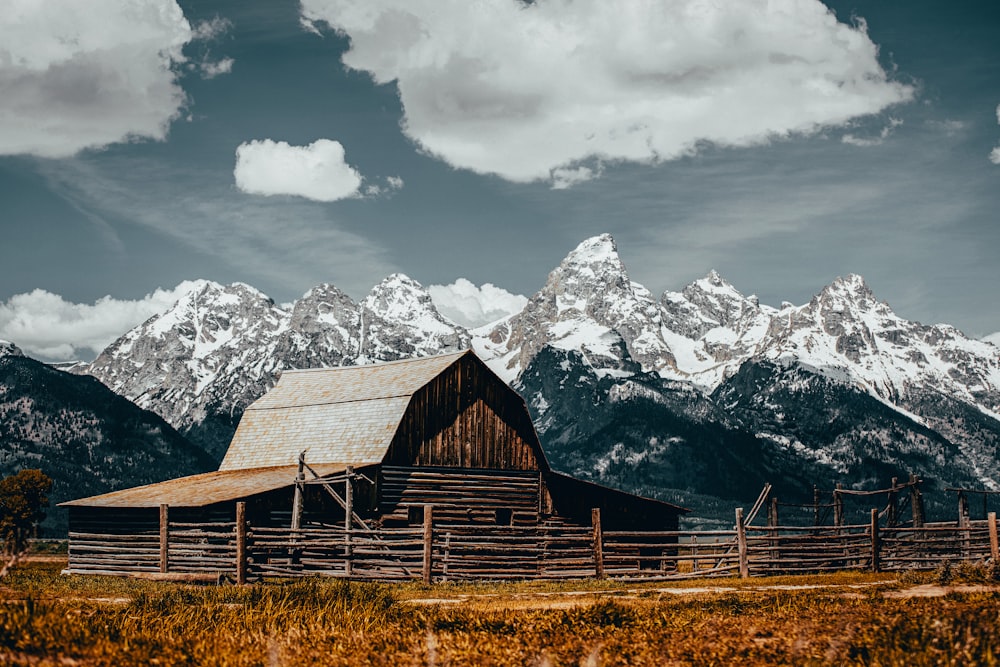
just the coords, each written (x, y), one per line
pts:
(571, 599)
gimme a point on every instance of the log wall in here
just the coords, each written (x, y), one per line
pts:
(480, 497)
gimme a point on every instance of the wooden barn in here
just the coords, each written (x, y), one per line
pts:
(355, 458)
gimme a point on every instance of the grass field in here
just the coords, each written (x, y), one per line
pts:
(845, 619)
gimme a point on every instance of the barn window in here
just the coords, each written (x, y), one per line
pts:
(505, 516)
(415, 515)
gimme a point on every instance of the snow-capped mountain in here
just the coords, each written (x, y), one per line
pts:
(219, 348)
(838, 386)
(8, 349)
(590, 305)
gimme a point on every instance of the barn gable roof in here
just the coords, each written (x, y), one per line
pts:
(347, 414)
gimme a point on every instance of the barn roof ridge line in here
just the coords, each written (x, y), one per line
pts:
(374, 364)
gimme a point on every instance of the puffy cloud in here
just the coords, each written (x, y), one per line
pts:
(79, 75)
(572, 81)
(317, 171)
(471, 306)
(49, 326)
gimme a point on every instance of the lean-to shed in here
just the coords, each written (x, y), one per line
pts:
(389, 439)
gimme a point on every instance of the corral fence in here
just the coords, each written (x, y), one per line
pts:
(440, 552)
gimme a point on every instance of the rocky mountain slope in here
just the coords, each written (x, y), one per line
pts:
(704, 390)
(88, 439)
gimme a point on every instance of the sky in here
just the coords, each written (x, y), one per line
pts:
(472, 145)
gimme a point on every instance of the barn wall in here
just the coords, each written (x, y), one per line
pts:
(469, 496)
(468, 418)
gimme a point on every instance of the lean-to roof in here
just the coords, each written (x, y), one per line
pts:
(204, 489)
(347, 414)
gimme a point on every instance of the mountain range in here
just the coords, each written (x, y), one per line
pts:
(696, 395)
(88, 439)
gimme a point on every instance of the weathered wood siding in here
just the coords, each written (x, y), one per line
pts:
(460, 496)
(468, 418)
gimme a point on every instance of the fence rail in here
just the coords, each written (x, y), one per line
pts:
(439, 551)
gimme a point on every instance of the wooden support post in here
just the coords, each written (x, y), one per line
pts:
(994, 549)
(964, 523)
(741, 544)
(595, 520)
(300, 477)
(428, 543)
(164, 538)
(916, 502)
(348, 512)
(815, 505)
(876, 542)
(695, 563)
(241, 543)
(838, 506)
(893, 506)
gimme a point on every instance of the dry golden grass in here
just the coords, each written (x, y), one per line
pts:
(46, 619)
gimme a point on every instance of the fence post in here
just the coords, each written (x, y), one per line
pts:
(876, 542)
(428, 542)
(595, 520)
(164, 538)
(241, 543)
(815, 505)
(916, 502)
(348, 517)
(964, 522)
(892, 517)
(741, 544)
(838, 506)
(994, 550)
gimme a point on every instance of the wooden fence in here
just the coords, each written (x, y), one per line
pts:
(437, 552)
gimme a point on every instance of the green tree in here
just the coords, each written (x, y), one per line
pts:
(22, 498)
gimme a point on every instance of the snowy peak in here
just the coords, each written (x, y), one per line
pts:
(588, 304)
(399, 320)
(849, 293)
(8, 349)
(596, 256)
(706, 304)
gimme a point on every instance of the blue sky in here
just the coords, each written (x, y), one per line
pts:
(774, 142)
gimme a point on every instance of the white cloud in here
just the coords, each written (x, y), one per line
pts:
(392, 184)
(995, 153)
(210, 70)
(317, 171)
(47, 325)
(78, 75)
(873, 141)
(471, 306)
(564, 82)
